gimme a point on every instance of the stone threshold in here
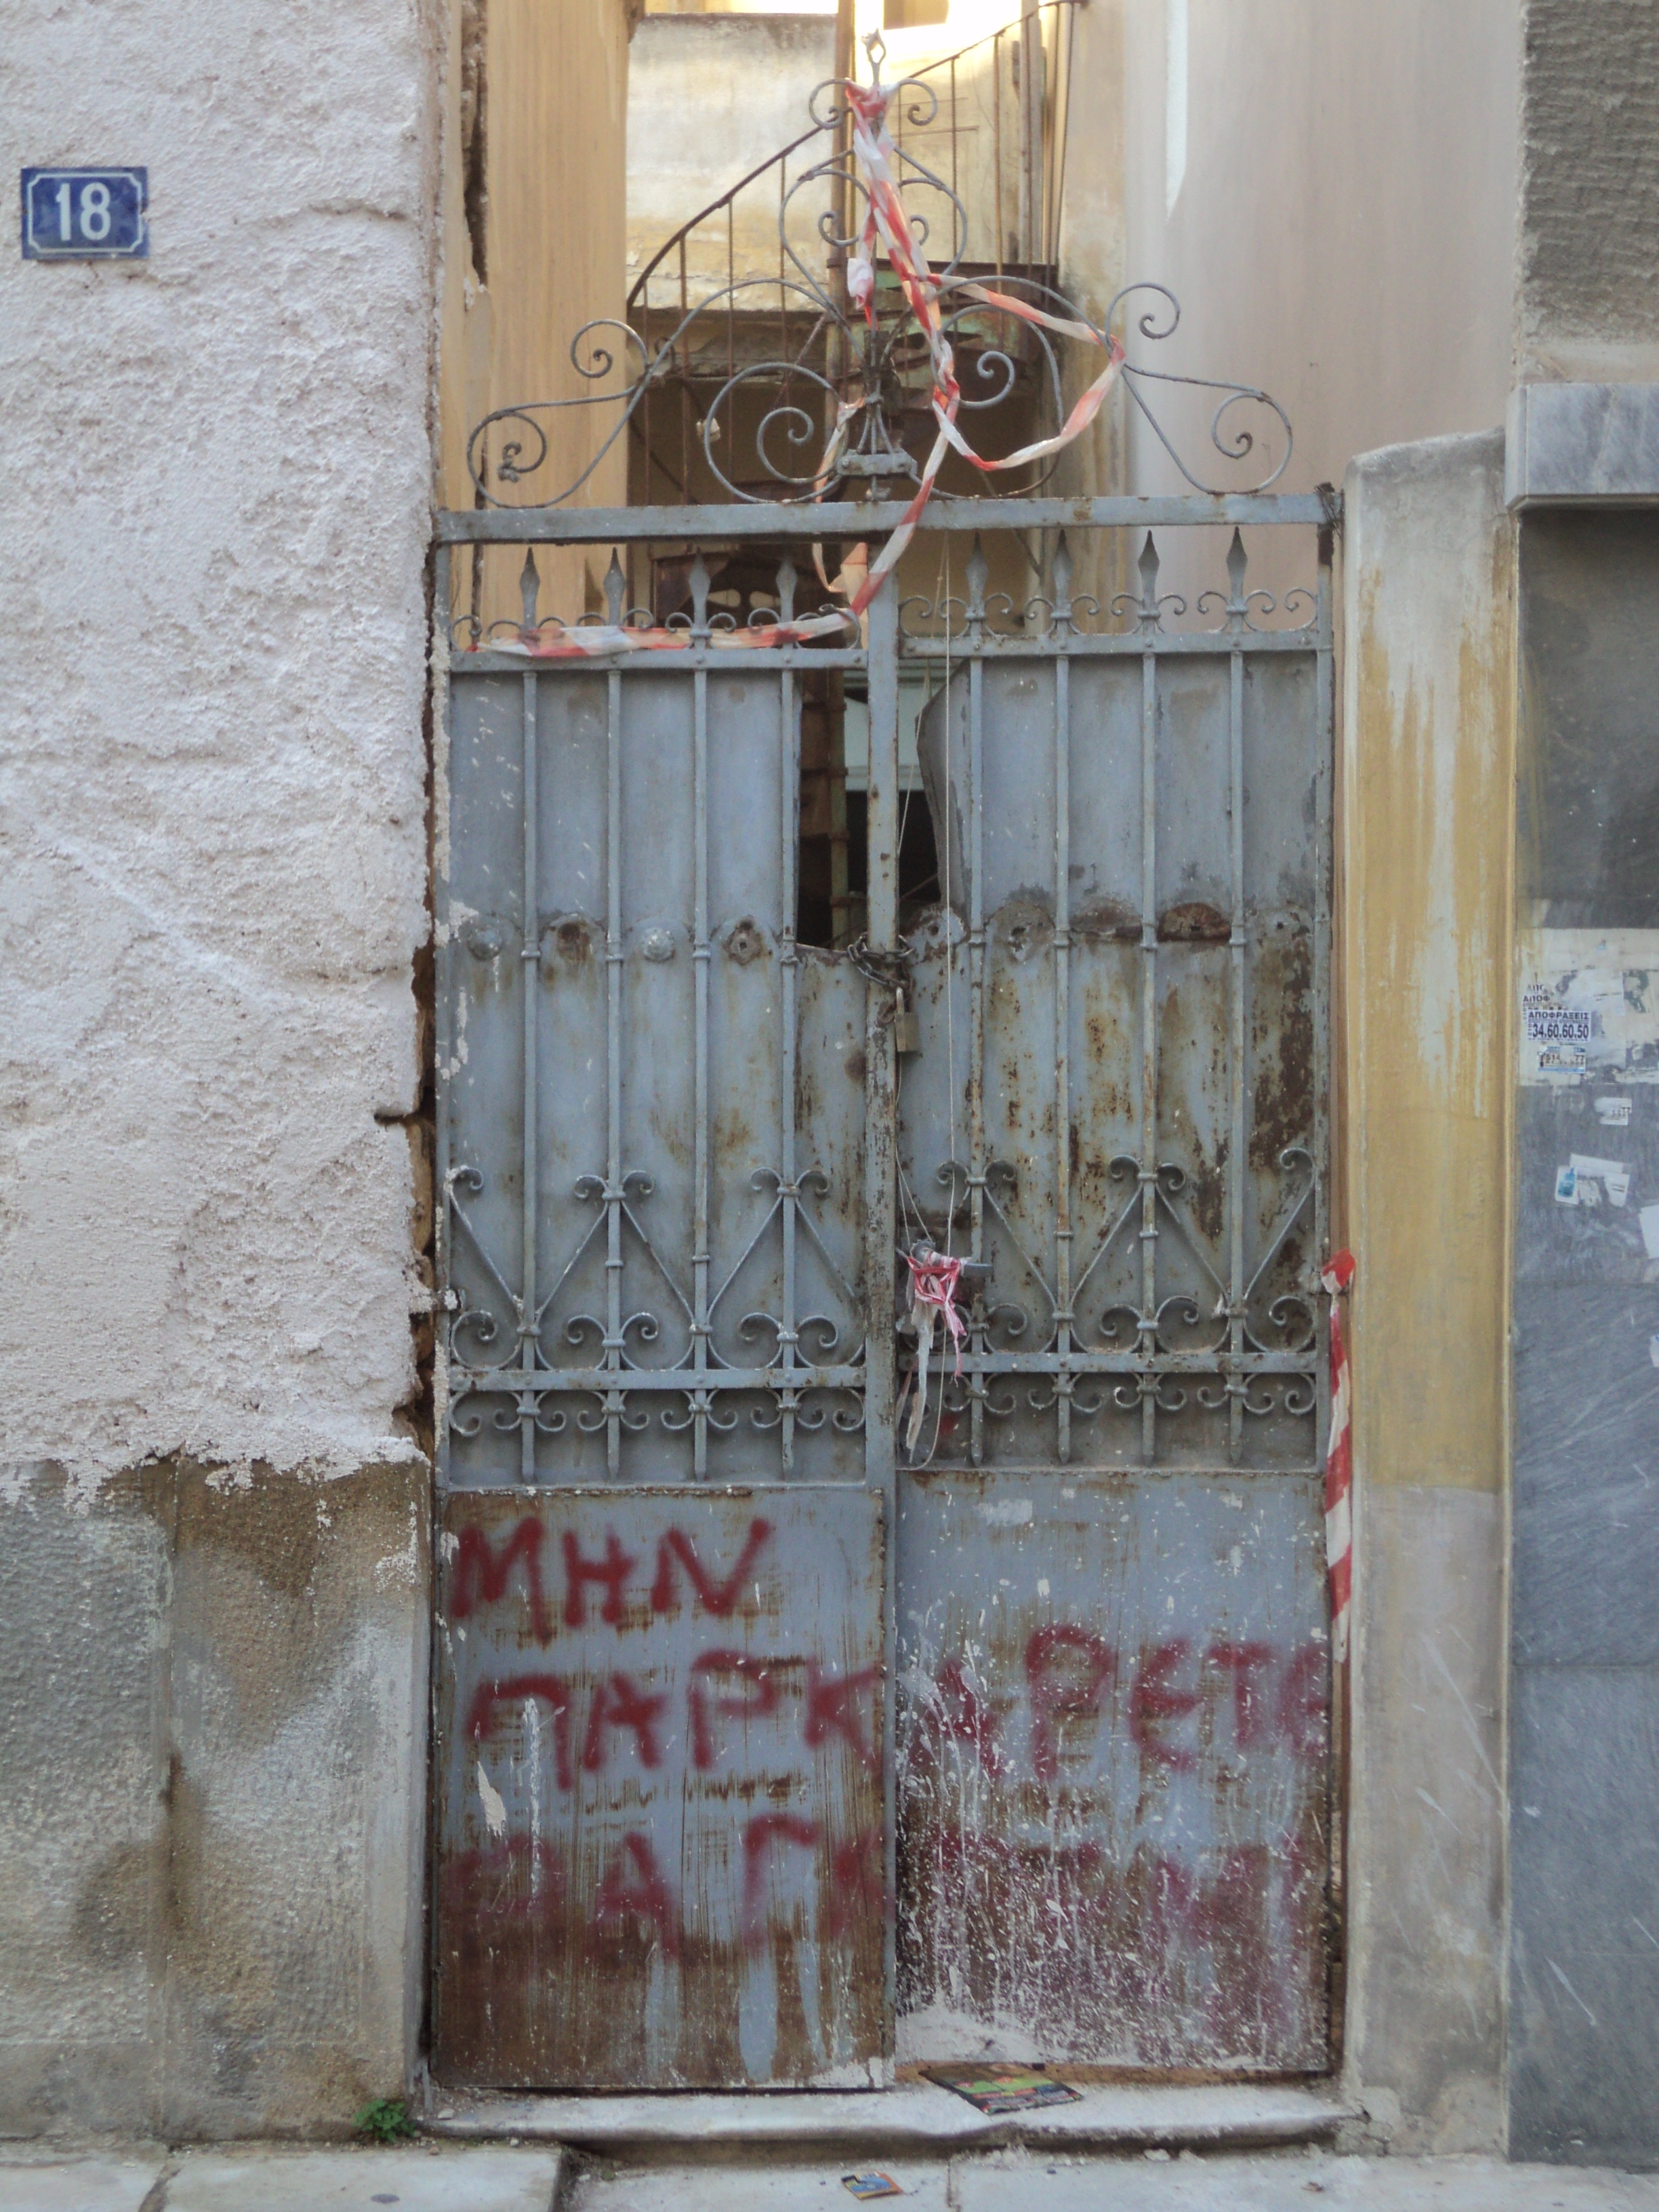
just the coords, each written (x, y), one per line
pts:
(914, 2117)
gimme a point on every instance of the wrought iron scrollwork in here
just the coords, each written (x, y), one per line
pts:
(562, 1368)
(845, 393)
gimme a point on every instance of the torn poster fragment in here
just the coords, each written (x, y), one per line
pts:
(1611, 1175)
(1648, 1218)
(1590, 1004)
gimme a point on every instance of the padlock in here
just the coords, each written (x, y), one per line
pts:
(907, 1030)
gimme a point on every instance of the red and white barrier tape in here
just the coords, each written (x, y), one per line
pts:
(887, 224)
(886, 221)
(1335, 1277)
(557, 640)
(933, 1280)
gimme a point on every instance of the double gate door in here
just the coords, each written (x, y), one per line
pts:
(786, 1732)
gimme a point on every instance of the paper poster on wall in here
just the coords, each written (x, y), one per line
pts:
(1590, 1007)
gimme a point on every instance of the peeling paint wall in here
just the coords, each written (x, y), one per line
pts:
(1427, 829)
(215, 500)
(212, 1704)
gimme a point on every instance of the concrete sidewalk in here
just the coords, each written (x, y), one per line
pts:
(496, 2178)
(1024, 2181)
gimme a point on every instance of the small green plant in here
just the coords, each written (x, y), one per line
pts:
(385, 2121)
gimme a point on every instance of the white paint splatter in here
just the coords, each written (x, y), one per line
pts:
(1007, 1512)
(1572, 1993)
(494, 1807)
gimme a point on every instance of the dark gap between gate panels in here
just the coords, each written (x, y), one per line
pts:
(832, 868)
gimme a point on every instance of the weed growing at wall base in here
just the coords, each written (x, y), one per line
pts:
(385, 2121)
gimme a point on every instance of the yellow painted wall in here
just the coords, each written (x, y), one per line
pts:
(1427, 821)
(553, 112)
(1426, 826)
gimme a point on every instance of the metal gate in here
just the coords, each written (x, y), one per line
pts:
(810, 1702)
(770, 1751)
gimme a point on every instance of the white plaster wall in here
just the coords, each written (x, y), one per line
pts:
(214, 478)
(1329, 187)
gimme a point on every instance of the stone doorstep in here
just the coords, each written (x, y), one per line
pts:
(915, 2118)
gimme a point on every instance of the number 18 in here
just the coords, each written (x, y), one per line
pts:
(94, 212)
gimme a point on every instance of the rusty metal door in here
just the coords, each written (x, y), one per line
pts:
(664, 1823)
(770, 1751)
(1113, 1809)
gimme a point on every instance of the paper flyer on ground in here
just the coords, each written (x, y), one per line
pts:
(1003, 2088)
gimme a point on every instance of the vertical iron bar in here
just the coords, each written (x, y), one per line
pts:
(613, 977)
(684, 384)
(444, 980)
(1149, 1002)
(530, 950)
(1063, 999)
(881, 925)
(1323, 772)
(783, 294)
(645, 402)
(978, 575)
(880, 1226)
(789, 962)
(1238, 1166)
(701, 956)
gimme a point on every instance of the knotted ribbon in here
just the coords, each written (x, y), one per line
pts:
(933, 1279)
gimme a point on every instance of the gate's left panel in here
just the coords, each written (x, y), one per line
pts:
(659, 1829)
(660, 1793)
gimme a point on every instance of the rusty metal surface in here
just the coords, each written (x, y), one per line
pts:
(671, 1160)
(1113, 1769)
(1134, 832)
(653, 1130)
(660, 1812)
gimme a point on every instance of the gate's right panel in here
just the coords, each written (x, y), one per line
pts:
(1113, 1789)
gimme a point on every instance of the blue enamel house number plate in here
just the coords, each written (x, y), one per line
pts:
(86, 214)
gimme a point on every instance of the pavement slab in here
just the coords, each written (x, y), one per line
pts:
(115, 2184)
(1297, 2183)
(417, 2178)
(764, 2186)
(1025, 2181)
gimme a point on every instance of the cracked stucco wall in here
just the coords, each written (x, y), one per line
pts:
(214, 499)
